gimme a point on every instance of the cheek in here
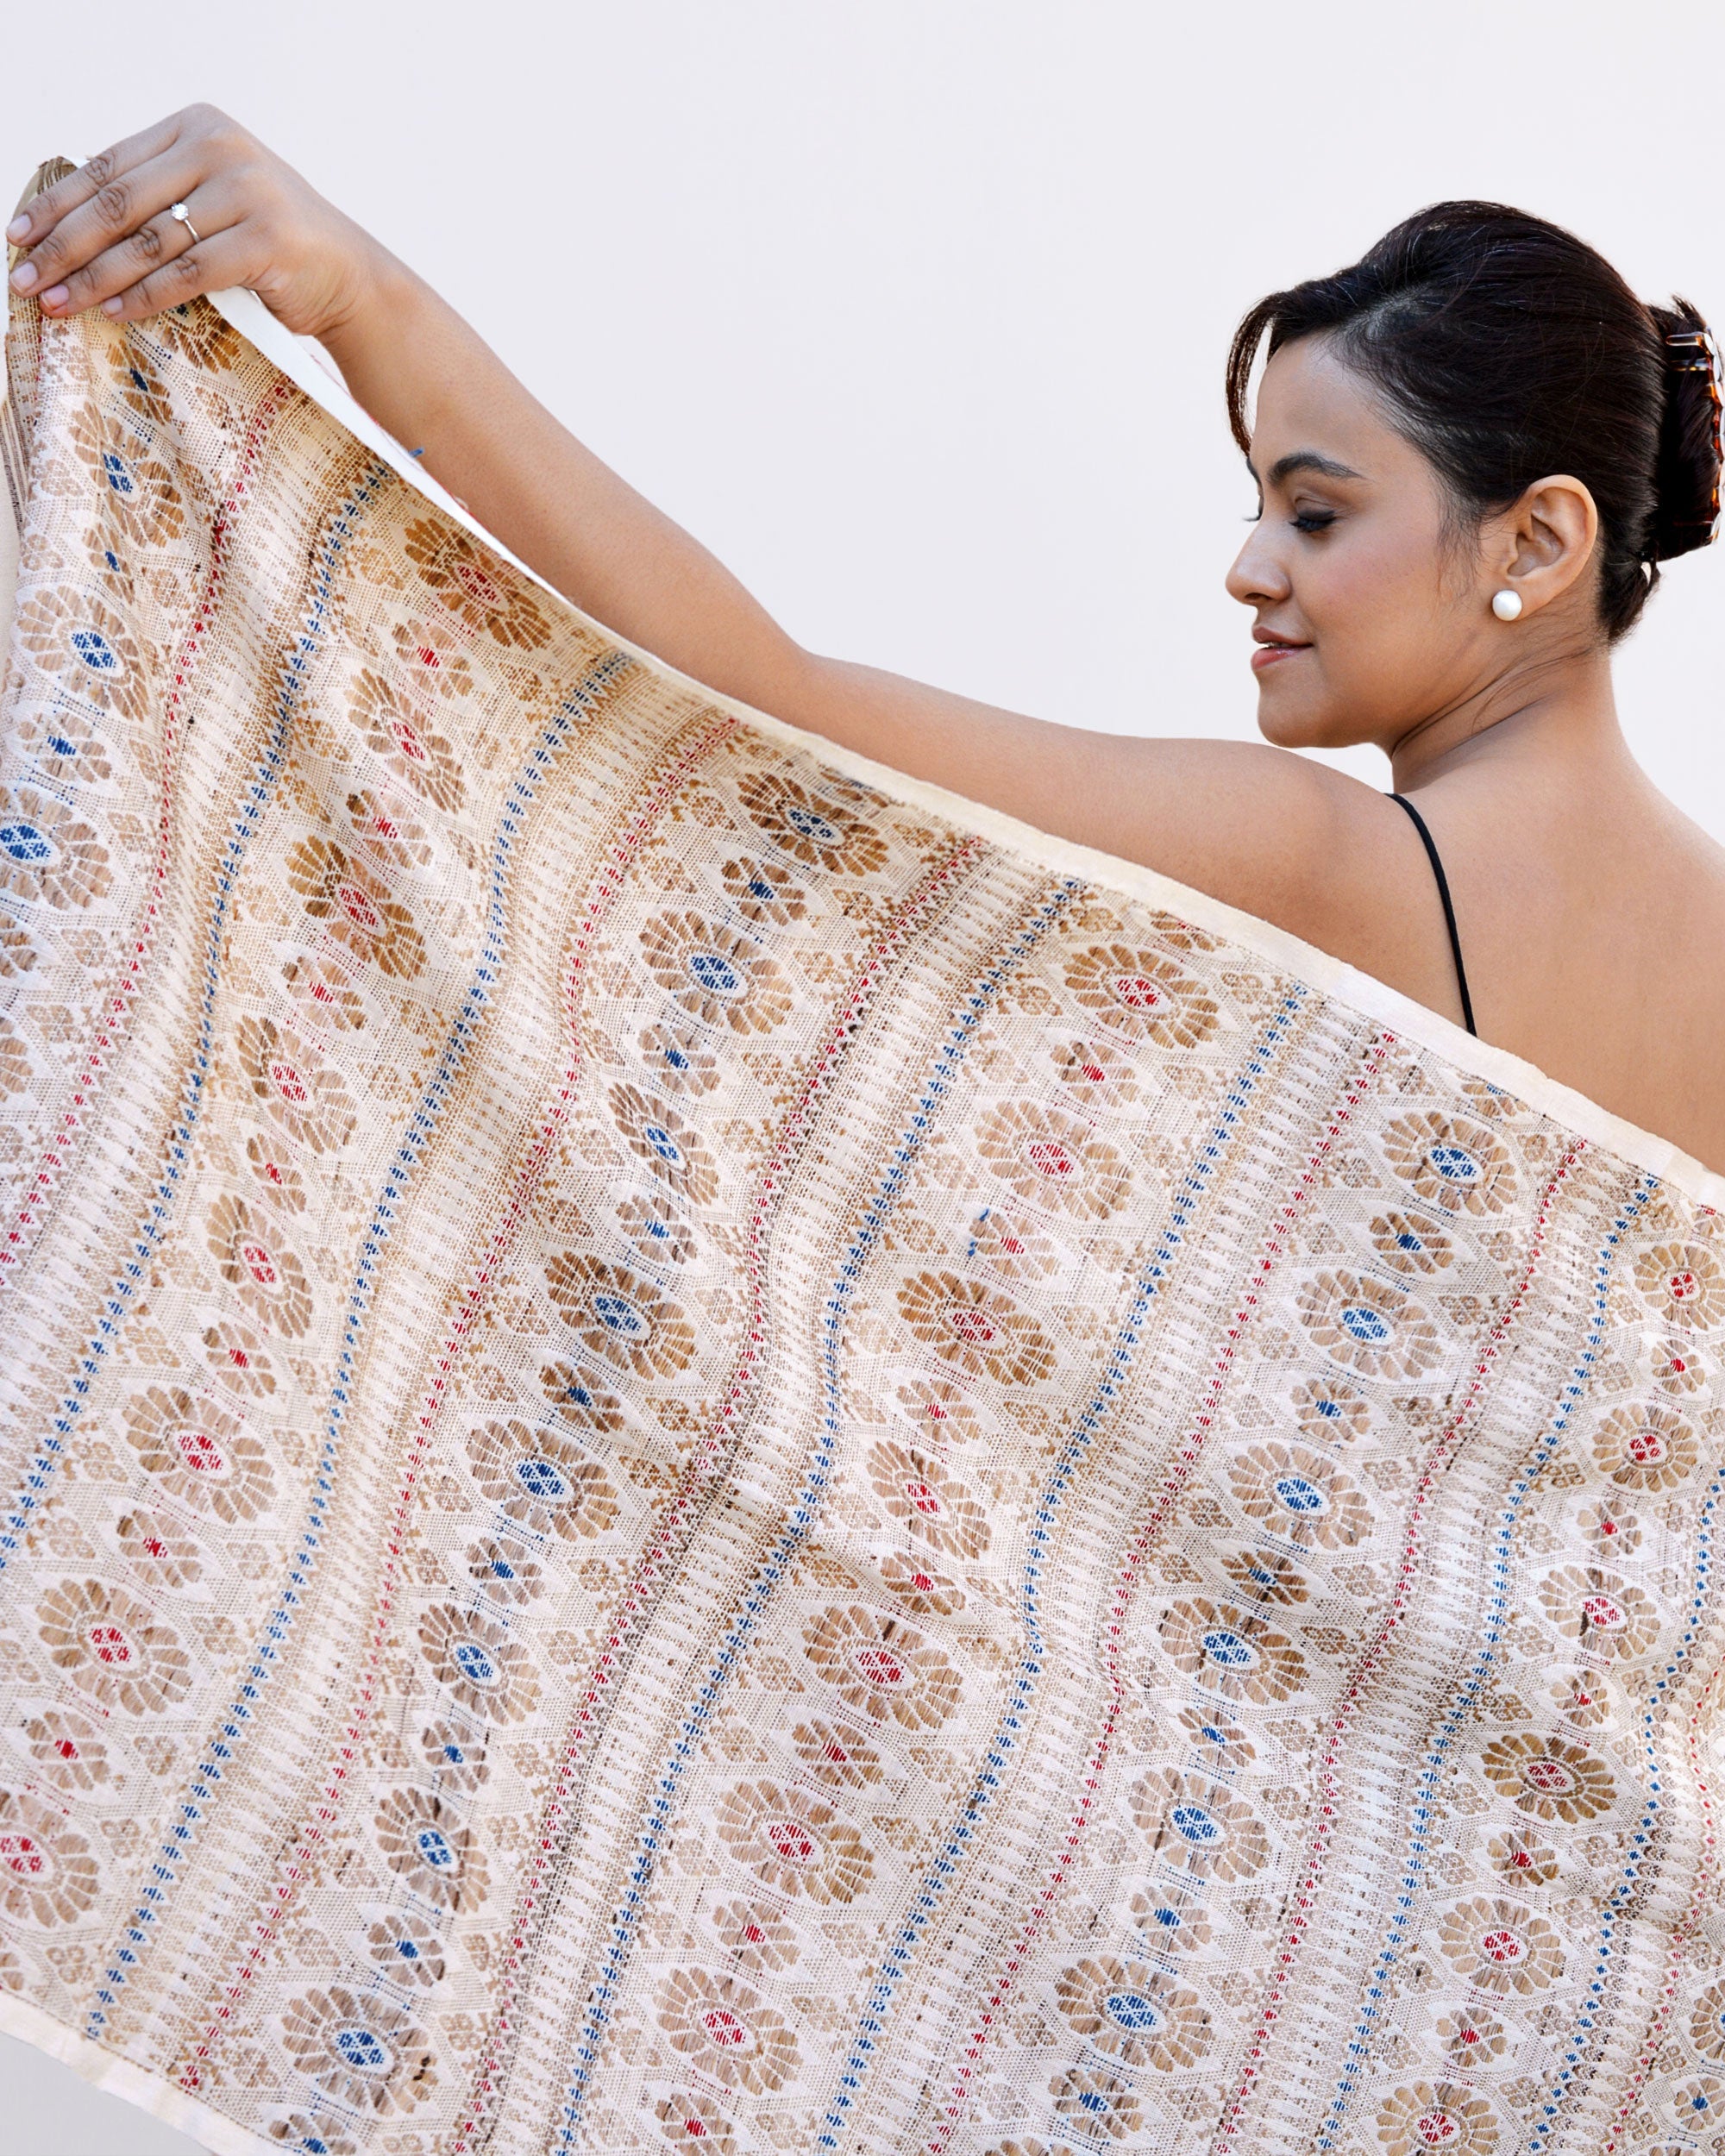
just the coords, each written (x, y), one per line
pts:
(1376, 603)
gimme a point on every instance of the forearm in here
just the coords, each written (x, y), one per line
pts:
(427, 377)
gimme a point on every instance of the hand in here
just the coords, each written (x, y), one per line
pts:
(104, 235)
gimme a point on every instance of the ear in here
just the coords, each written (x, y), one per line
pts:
(1539, 546)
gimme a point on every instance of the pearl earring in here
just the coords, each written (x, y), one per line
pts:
(1506, 604)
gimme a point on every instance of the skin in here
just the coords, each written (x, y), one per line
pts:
(1591, 911)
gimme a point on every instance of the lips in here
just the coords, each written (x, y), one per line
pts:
(1272, 650)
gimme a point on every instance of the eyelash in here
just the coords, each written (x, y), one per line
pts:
(1313, 520)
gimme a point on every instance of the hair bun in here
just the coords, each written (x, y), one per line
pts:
(1686, 514)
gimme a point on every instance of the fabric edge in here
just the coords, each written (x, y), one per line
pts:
(1360, 991)
(134, 2084)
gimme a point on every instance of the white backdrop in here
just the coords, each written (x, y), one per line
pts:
(915, 310)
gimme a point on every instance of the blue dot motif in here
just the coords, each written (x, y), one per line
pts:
(806, 824)
(433, 1844)
(1194, 1824)
(618, 1314)
(118, 472)
(475, 1663)
(1228, 1651)
(1131, 2011)
(662, 1143)
(541, 1477)
(24, 842)
(1365, 1324)
(1455, 1163)
(1298, 1494)
(708, 970)
(94, 649)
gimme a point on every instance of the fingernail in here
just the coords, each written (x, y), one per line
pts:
(18, 230)
(23, 277)
(112, 306)
(55, 296)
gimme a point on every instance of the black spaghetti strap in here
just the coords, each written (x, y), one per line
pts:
(1449, 910)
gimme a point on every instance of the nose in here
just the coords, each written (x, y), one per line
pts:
(1258, 578)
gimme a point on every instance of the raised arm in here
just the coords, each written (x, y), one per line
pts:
(1263, 828)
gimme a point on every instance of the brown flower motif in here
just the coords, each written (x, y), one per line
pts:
(581, 1400)
(15, 1062)
(1169, 1923)
(823, 829)
(48, 856)
(307, 1098)
(325, 993)
(976, 1328)
(1230, 1651)
(478, 1663)
(1329, 1409)
(917, 1587)
(714, 974)
(1142, 994)
(1599, 1610)
(1681, 1281)
(656, 1231)
(198, 334)
(236, 1355)
(359, 2050)
(939, 1411)
(428, 660)
(1679, 1368)
(304, 2135)
(17, 952)
(1523, 1858)
(62, 748)
(1609, 1527)
(406, 1949)
(659, 1136)
(916, 1490)
(1129, 2011)
(47, 1875)
(457, 1760)
(1217, 1741)
(1097, 2103)
(141, 390)
(1707, 2024)
(1646, 1448)
(1582, 1697)
(690, 2122)
(280, 1181)
(398, 732)
(755, 1938)
(679, 1059)
(794, 1843)
(88, 648)
(135, 489)
(1096, 1071)
(68, 1749)
(837, 1757)
(881, 1668)
(1501, 1945)
(422, 1838)
(541, 1481)
(476, 586)
(387, 829)
(1451, 1161)
(1195, 1825)
(1471, 2040)
(1011, 1246)
(1300, 1494)
(1374, 1328)
(1408, 1246)
(1266, 1576)
(1418, 2119)
(260, 1267)
(1051, 1159)
(728, 2029)
(505, 1572)
(160, 1550)
(764, 891)
(1549, 1777)
(112, 1648)
(355, 909)
(618, 1314)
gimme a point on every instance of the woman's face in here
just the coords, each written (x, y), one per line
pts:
(1371, 617)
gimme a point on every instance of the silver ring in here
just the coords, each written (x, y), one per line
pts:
(178, 209)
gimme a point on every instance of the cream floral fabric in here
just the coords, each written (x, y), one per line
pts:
(695, 1458)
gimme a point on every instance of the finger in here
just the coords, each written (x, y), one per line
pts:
(43, 212)
(211, 266)
(156, 241)
(111, 215)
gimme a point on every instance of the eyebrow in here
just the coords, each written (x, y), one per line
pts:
(1306, 460)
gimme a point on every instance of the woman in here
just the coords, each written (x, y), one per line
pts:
(1473, 450)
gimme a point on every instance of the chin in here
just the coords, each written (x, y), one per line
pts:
(1288, 722)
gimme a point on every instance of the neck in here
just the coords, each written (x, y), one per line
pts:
(1558, 710)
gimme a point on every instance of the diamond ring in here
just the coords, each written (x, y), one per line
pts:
(178, 209)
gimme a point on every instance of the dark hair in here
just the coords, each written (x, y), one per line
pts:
(1505, 348)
